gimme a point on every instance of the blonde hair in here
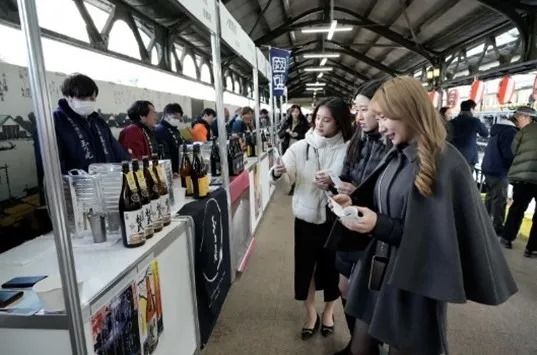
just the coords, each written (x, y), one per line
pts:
(404, 98)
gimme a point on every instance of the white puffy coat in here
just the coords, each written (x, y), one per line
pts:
(309, 201)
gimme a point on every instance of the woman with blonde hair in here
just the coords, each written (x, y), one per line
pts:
(431, 239)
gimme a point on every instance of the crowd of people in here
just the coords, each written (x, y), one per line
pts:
(388, 215)
(84, 137)
(414, 234)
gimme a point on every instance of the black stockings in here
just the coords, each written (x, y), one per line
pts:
(363, 344)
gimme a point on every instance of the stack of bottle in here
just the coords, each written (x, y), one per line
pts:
(144, 202)
(194, 173)
(235, 156)
(251, 141)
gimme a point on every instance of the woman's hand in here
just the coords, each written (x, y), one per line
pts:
(364, 224)
(345, 188)
(343, 200)
(279, 168)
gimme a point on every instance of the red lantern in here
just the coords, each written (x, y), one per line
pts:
(476, 91)
(534, 92)
(453, 98)
(506, 89)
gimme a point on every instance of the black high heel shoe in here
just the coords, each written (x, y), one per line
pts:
(309, 332)
(327, 330)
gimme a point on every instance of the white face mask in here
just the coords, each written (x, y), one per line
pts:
(172, 120)
(83, 108)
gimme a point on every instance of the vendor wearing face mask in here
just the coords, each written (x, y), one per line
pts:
(82, 134)
(167, 134)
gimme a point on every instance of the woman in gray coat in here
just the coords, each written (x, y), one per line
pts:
(413, 267)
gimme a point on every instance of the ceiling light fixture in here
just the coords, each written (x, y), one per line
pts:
(322, 69)
(314, 89)
(320, 75)
(316, 84)
(331, 31)
(323, 62)
(326, 30)
(321, 55)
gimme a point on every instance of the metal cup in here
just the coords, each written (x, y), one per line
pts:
(98, 226)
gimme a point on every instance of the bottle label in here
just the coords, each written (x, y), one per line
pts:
(165, 205)
(189, 187)
(203, 186)
(131, 182)
(133, 222)
(148, 219)
(161, 175)
(152, 173)
(156, 214)
(141, 180)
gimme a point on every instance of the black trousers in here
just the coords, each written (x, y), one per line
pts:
(313, 260)
(496, 201)
(522, 195)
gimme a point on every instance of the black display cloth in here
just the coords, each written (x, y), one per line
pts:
(211, 257)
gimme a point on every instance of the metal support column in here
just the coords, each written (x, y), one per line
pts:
(52, 172)
(272, 104)
(255, 75)
(220, 122)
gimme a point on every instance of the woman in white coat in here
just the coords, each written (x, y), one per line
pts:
(307, 164)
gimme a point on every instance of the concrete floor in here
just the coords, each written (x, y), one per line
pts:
(261, 317)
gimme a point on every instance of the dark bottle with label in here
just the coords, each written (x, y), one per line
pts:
(130, 209)
(200, 180)
(163, 191)
(145, 199)
(216, 166)
(185, 170)
(152, 188)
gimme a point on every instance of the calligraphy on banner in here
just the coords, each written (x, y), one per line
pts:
(279, 60)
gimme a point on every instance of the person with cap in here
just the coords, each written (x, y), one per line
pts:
(463, 130)
(496, 163)
(523, 176)
(168, 136)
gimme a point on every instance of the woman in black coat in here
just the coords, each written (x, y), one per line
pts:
(294, 128)
(366, 149)
(431, 239)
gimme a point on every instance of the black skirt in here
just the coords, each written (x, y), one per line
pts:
(312, 258)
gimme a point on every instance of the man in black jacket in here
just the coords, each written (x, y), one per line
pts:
(168, 135)
(496, 162)
(463, 131)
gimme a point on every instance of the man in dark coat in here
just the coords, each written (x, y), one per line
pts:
(168, 136)
(214, 124)
(463, 131)
(496, 162)
(82, 135)
(523, 177)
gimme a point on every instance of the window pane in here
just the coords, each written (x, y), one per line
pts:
(205, 73)
(122, 40)
(189, 68)
(154, 56)
(62, 16)
(99, 16)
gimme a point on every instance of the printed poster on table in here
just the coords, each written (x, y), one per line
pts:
(149, 308)
(115, 325)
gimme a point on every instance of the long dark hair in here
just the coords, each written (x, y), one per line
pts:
(355, 145)
(340, 112)
(301, 117)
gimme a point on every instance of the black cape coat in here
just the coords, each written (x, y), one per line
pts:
(448, 252)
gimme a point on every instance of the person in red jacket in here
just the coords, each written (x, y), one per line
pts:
(138, 137)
